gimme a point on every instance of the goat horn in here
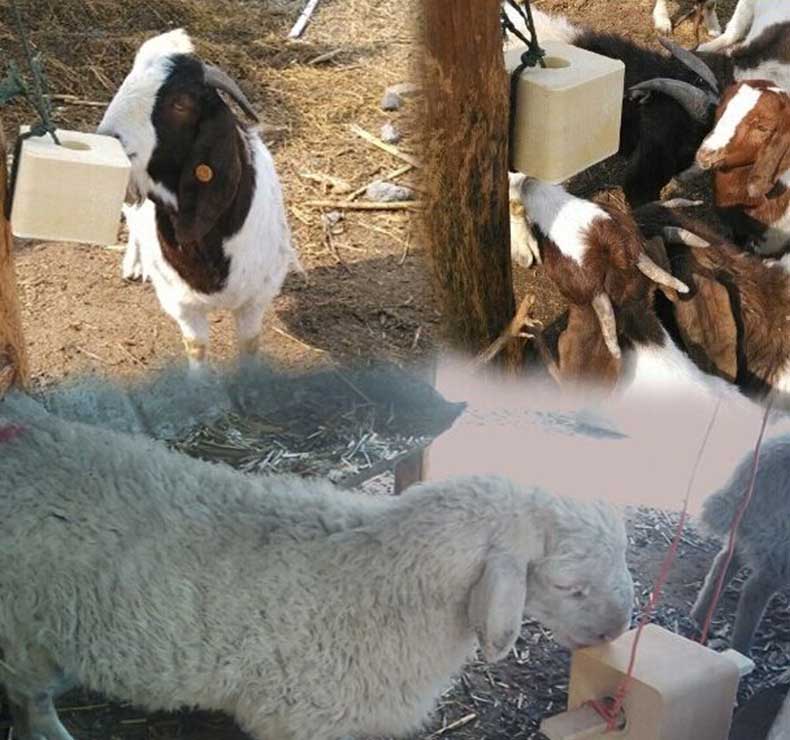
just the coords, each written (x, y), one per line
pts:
(602, 306)
(697, 103)
(680, 203)
(679, 235)
(217, 78)
(693, 62)
(658, 275)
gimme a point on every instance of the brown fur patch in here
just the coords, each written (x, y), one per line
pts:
(583, 356)
(758, 294)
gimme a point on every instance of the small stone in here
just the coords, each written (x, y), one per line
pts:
(387, 192)
(389, 134)
(395, 94)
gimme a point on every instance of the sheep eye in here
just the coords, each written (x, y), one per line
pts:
(579, 594)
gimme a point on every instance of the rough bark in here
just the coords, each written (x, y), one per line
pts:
(13, 357)
(465, 169)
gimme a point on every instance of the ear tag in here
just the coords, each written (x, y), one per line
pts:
(204, 173)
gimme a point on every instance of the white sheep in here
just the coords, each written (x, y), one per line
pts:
(304, 611)
(206, 214)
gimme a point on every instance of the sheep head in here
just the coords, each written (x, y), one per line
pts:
(179, 135)
(581, 588)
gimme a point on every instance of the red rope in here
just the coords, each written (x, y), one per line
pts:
(611, 710)
(612, 713)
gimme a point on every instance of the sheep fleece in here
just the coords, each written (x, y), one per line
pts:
(170, 582)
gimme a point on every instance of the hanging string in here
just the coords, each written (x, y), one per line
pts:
(611, 709)
(734, 527)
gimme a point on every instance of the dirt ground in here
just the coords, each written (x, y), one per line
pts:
(368, 294)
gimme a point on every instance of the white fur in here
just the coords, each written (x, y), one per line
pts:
(304, 611)
(564, 218)
(661, 20)
(653, 368)
(741, 104)
(260, 253)
(548, 27)
(749, 20)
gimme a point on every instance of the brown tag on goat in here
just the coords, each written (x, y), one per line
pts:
(204, 173)
(707, 327)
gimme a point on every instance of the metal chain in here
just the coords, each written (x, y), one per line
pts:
(13, 85)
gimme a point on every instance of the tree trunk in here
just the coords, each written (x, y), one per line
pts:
(13, 357)
(465, 164)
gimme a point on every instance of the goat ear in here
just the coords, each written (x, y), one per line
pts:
(583, 355)
(772, 159)
(210, 178)
(496, 604)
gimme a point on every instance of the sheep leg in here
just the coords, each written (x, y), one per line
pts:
(704, 600)
(248, 320)
(755, 595)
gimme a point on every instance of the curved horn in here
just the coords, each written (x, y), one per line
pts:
(697, 103)
(658, 275)
(679, 235)
(217, 78)
(602, 306)
(693, 62)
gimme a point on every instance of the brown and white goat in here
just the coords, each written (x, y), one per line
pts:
(749, 154)
(735, 320)
(208, 220)
(592, 253)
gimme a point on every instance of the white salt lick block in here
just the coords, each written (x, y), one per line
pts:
(567, 115)
(73, 192)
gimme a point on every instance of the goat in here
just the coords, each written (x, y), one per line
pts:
(748, 22)
(291, 604)
(663, 23)
(662, 127)
(762, 538)
(209, 219)
(749, 153)
(590, 252)
(733, 320)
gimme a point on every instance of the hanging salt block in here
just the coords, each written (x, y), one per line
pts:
(567, 115)
(73, 192)
(680, 690)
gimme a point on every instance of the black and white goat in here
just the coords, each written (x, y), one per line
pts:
(748, 22)
(208, 219)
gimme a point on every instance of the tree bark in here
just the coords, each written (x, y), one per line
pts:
(466, 115)
(14, 370)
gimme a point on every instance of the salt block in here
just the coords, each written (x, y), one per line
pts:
(73, 192)
(567, 115)
(680, 690)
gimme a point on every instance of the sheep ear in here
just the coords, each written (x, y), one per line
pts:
(773, 158)
(496, 604)
(210, 179)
